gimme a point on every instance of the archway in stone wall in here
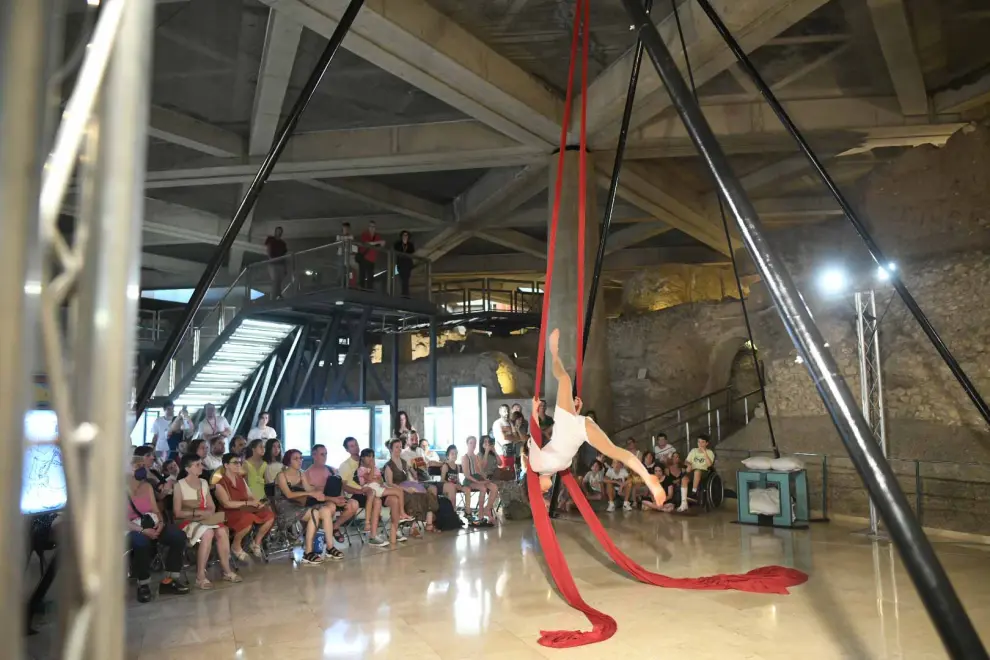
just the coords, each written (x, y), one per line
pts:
(722, 358)
(731, 366)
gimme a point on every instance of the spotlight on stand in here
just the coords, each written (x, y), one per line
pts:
(833, 281)
(883, 272)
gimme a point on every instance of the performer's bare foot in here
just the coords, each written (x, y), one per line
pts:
(545, 482)
(659, 497)
(555, 342)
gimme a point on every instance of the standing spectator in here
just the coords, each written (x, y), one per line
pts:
(403, 264)
(348, 253)
(367, 256)
(276, 248)
(213, 425)
(402, 425)
(262, 431)
(504, 436)
(169, 430)
(243, 509)
(545, 420)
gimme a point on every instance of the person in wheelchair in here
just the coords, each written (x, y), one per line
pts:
(700, 461)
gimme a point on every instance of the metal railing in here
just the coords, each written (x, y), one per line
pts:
(489, 294)
(715, 414)
(321, 269)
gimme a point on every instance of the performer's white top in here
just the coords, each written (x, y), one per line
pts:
(569, 433)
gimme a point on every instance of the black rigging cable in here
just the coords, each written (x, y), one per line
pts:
(732, 253)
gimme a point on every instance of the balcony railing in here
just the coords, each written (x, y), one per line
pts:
(322, 269)
(489, 294)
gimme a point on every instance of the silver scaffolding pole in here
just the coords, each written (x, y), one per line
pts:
(936, 591)
(89, 351)
(23, 44)
(871, 383)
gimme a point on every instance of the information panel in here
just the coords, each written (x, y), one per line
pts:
(43, 488)
(332, 425)
(438, 427)
(470, 412)
(297, 429)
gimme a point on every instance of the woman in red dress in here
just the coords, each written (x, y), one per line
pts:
(244, 511)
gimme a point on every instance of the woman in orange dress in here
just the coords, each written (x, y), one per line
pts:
(243, 509)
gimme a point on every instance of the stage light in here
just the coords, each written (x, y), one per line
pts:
(833, 280)
(883, 272)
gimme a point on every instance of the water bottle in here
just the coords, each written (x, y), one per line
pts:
(320, 543)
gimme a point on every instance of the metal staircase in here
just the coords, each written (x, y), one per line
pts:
(238, 354)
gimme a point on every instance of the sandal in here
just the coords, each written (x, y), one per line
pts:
(335, 554)
(406, 519)
(232, 577)
(239, 556)
(338, 536)
(204, 584)
(255, 550)
(312, 558)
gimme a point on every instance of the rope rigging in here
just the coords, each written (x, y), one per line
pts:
(770, 579)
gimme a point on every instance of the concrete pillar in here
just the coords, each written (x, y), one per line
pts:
(597, 392)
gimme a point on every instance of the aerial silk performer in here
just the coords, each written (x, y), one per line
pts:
(571, 429)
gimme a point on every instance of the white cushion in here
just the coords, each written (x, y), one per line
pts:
(764, 501)
(757, 462)
(786, 464)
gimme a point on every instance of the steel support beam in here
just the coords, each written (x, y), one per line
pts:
(318, 351)
(357, 332)
(934, 587)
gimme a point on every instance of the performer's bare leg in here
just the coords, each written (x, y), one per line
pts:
(601, 442)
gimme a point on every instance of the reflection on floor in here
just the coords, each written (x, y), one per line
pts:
(484, 595)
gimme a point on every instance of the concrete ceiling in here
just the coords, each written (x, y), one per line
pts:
(441, 117)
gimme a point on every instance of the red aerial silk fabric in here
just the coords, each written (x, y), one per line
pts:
(768, 580)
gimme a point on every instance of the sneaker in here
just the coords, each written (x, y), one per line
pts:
(173, 586)
(682, 508)
(400, 537)
(378, 542)
(626, 506)
(144, 593)
(610, 508)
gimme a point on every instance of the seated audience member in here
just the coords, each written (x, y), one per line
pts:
(475, 478)
(325, 479)
(699, 461)
(451, 480)
(366, 497)
(591, 486)
(662, 450)
(492, 464)
(304, 504)
(243, 509)
(254, 469)
(427, 452)
(237, 445)
(615, 481)
(171, 471)
(673, 474)
(154, 477)
(145, 529)
(419, 503)
(635, 488)
(273, 459)
(214, 458)
(634, 448)
(369, 476)
(200, 448)
(196, 515)
(262, 431)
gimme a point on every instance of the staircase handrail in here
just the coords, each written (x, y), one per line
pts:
(674, 409)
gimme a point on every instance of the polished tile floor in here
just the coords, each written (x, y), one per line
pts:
(484, 594)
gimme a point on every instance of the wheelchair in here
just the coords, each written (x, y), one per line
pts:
(711, 491)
